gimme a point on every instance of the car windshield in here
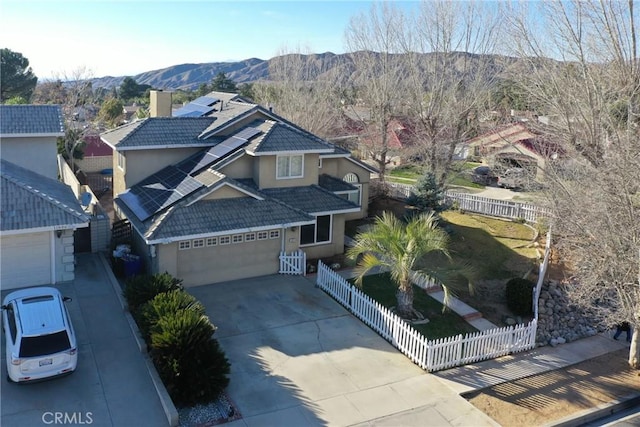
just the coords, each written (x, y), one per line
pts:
(44, 344)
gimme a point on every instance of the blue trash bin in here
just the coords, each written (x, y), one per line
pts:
(132, 265)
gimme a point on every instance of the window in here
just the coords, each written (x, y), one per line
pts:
(353, 196)
(320, 232)
(186, 244)
(198, 243)
(225, 240)
(262, 235)
(212, 241)
(274, 234)
(237, 238)
(121, 161)
(44, 344)
(289, 166)
(250, 237)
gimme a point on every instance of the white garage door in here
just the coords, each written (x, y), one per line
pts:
(25, 260)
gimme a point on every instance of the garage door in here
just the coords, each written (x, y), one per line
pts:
(232, 257)
(25, 260)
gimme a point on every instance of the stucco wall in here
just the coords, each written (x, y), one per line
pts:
(36, 154)
(339, 167)
(266, 173)
(139, 164)
(240, 168)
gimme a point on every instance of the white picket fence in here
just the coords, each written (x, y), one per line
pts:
(293, 263)
(429, 355)
(479, 204)
(494, 207)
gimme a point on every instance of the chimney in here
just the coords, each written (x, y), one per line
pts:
(159, 103)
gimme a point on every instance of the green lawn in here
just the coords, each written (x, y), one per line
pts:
(380, 288)
(494, 248)
(408, 172)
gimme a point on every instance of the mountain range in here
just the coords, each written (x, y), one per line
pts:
(190, 76)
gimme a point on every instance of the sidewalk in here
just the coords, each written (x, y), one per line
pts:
(477, 376)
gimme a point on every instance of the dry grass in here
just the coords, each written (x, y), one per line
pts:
(540, 399)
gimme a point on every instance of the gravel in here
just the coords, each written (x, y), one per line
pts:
(217, 412)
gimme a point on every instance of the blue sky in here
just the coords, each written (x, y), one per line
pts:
(126, 37)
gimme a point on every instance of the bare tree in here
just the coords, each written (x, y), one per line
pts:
(374, 40)
(583, 71)
(302, 90)
(449, 49)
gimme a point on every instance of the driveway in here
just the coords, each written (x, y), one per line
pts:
(299, 358)
(111, 385)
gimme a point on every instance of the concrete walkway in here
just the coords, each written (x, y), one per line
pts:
(480, 375)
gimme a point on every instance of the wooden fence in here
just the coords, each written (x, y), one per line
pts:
(479, 204)
(429, 355)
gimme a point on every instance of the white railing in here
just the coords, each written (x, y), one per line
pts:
(478, 204)
(429, 355)
(293, 263)
(494, 207)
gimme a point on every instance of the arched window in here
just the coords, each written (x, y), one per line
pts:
(353, 179)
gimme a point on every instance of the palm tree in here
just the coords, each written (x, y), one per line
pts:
(398, 247)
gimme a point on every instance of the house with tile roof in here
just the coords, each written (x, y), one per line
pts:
(28, 135)
(38, 213)
(512, 145)
(223, 189)
(38, 218)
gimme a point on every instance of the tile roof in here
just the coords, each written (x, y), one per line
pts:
(30, 200)
(159, 132)
(216, 216)
(333, 184)
(231, 111)
(282, 137)
(31, 119)
(211, 216)
(312, 199)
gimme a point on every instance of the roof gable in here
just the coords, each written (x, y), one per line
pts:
(284, 138)
(31, 120)
(159, 132)
(30, 201)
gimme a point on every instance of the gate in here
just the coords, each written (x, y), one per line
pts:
(293, 263)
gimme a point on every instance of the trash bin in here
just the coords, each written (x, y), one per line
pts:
(132, 265)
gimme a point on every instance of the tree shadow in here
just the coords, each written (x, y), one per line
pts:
(299, 358)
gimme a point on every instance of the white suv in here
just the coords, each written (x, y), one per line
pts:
(40, 340)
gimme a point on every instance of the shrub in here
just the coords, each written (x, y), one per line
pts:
(520, 296)
(165, 304)
(140, 289)
(428, 195)
(189, 360)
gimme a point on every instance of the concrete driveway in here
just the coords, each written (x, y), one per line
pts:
(299, 358)
(111, 385)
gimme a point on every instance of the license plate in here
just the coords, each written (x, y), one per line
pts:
(46, 362)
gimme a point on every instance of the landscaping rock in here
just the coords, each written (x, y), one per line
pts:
(559, 321)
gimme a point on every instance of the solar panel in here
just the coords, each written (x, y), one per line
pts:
(204, 100)
(171, 184)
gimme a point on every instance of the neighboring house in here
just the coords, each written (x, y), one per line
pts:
(97, 155)
(28, 135)
(401, 136)
(38, 213)
(38, 218)
(219, 192)
(510, 146)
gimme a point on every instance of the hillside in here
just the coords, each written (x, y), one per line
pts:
(190, 76)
